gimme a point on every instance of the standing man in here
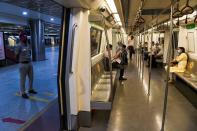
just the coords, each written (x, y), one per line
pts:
(120, 60)
(131, 46)
(25, 67)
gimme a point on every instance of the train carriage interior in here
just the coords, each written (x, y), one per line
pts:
(98, 65)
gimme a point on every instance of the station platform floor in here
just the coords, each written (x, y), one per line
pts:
(134, 110)
(16, 112)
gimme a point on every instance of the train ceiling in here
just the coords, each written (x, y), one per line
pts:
(150, 10)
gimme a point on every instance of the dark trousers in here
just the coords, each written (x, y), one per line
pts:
(153, 61)
(116, 65)
(131, 51)
(106, 64)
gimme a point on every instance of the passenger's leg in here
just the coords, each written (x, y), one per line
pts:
(171, 80)
(154, 64)
(23, 73)
(122, 74)
(131, 55)
(30, 75)
(115, 65)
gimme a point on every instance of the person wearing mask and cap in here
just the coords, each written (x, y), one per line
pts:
(23, 52)
(179, 64)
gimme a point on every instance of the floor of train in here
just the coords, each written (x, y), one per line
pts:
(133, 110)
(16, 112)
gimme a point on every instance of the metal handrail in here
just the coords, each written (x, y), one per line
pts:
(72, 45)
(187, 9)
(177, 13)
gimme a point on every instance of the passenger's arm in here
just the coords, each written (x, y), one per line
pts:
(180, 57)
(116, 55)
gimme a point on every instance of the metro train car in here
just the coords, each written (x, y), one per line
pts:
(98, 65)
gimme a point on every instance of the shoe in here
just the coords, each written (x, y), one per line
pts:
(171, 81)
(122, 79)
(32, 91)
(25, 96)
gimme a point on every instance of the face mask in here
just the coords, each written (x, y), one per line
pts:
(179, 51)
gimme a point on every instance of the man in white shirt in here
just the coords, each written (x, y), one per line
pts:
(131, 46)
(107, 57)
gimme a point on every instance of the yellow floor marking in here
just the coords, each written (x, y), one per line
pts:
(35, 98)
(49, 94)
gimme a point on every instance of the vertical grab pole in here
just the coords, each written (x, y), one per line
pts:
(138, 49)
(139, 52)
(135, 52)
(150, 62)
(143, 57)
(168, 70)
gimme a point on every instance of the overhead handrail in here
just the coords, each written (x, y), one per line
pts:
(141, 20)
(187, 9)
(177, 13)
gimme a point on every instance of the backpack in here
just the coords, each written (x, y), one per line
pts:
(124, 59)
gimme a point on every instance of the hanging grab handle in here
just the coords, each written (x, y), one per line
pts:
(177, 13)
(186, 20)
(187, 9)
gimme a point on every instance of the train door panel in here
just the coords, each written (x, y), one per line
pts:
(79, 78)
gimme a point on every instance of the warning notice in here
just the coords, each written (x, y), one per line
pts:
(2, 51)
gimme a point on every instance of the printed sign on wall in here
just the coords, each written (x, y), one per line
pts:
(2, 51)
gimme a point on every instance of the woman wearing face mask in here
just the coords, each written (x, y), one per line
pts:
(179, 64)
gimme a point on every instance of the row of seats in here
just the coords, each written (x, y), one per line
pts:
(187, 82)
(102, 91)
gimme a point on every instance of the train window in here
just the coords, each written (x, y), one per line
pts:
(191, 44)
(95, 36)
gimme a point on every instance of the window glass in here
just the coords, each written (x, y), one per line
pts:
(95, 36)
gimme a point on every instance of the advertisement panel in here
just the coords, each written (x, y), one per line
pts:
(2, 51)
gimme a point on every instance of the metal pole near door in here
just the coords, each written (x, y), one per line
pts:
(168, 70)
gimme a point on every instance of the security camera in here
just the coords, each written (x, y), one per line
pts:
(102, 9)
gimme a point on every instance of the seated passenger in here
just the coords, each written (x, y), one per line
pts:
(179, 64)
(107, 57)
(120, 60)
(153, 52)
(145, 50)
(159, 54)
